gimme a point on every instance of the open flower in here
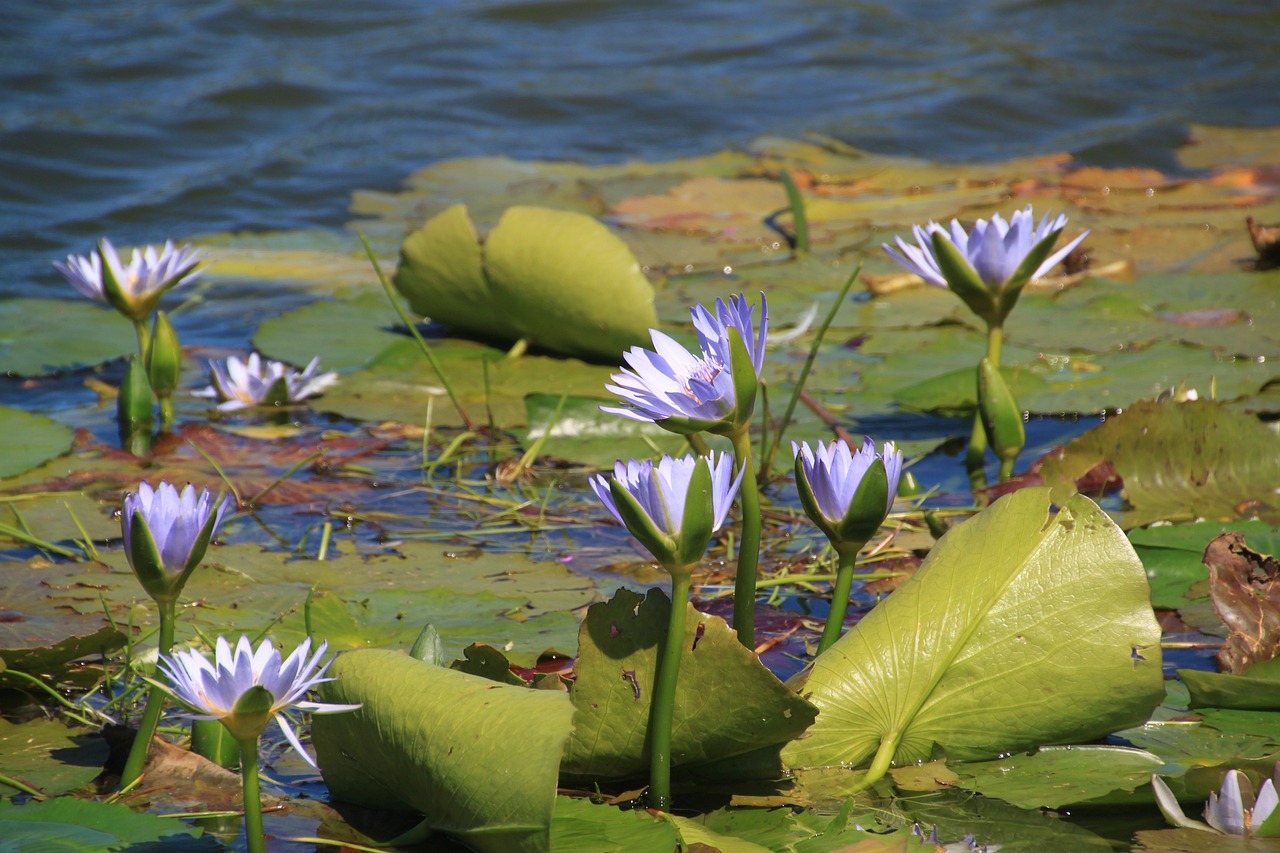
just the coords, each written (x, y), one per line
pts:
(166, 534)
(672, 507)
(847, 494)
(257, 382)
(133, 290)
(1226, 811)
(988, 266)
(714, 390)
(244, 689)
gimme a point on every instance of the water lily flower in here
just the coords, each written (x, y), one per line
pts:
(133, 290)
(257, 382)
(846, 493)
(225, 689)
(714, 390)
(988, 266)
(166, 534)
(1226, 810)
(672, 507)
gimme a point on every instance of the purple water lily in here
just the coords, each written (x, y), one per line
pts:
(834, 473)
(258, 382)
(166, 533)
(135, 289)
(662, 489)
(213, 690)
(994, 249)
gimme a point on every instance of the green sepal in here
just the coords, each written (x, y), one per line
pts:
(688, 426)
(1001, 415)
(746, 384)
(698, 522)
(664, 548)
(200, 545)
(962, 279)
(868, 508)
(164, 357)
(809, 503)
(134, 404)
(1269, 828)
(1034, 258)
(115, 294)
(428, 648)
(277, 394)
(144, 557)
(252, 712)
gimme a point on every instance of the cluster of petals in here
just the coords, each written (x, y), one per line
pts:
(255, 382)
(669, 381)
(174, 519)
(834, 472)
(212, 689)
(661, 489)
(1226, 810)
(150, 272)
(995, 249)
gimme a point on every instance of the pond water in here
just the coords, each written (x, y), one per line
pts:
(146, 120)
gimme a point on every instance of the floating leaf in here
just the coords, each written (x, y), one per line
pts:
(1245, 588)
(726, 702)
(578, 826)
(972, 655)
(439, 742)
(1174, 554)
(346, 331)
(557, 279)
(34, 339)
(49, 756)
(1054, 777)
(30, 439)
(1179, 461)
(1226, 690)
(92, 826)
(583, 433)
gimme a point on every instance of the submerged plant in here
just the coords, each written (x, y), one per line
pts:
(672, 508)
(244, 690)
(714, 391)
(166, 534)
(847, 495)
(1227, 811)
(256, 381)
(987, 267)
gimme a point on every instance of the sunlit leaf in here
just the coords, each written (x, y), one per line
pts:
(1021, 628)
(439, 742)
(34, 338)
(29, 440)
(583, 433)
(1054, 777)
(49, 756)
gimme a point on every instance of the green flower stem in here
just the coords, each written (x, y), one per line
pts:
(973, 458)
(662, 711)
(166, 413)
(255, 839)
(839, 598)
(144, 339)
(155, 703)
(744, 588)
(882, 761)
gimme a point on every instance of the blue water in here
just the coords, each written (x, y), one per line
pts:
(145, 120)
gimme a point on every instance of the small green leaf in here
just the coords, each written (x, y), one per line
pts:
(1224, 690)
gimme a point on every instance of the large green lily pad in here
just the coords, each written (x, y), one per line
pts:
(1021, 628)
(439, 742)
(35, 337)
(30, 439)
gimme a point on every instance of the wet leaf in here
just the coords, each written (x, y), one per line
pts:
(34, 339)
(981, 668)
(1053, 777)
(1244, 586)
(1016, 830)
(578, 826)
(92, 826)
(49, 756)
(439, 742)
(1179, 461)
(726, 703)
(1226, 690)
(30, 440)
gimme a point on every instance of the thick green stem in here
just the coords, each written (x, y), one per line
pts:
(166, 413)
(882, 761)
(254, 837)
(144, 339)
(973, 459)
(839, 599)
(744, 588)
(155, 703)
(662, 711)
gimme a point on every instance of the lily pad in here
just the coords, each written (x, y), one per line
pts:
(439, 742)
(30, 439)
(557, 279)
(1173, 554)
(726, 703)
(970, 655)
(1054, 777)
(581, 432)
(92, 826)
(49, 756)
(1179, 461)
(346, 331)
(34, 339)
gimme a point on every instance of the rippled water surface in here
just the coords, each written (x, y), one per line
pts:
(144, 120)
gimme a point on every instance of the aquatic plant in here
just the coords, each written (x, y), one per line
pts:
(1227, 811)
(256, 381)
(245, 690)
(847, 495)
(166, 534)
(672, 508)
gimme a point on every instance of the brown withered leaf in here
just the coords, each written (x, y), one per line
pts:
(1245, 588)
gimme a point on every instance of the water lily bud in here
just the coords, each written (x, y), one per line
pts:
(847, 494)
(164, 357)
(1001, 415)
(134, 409)
(166, 533)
